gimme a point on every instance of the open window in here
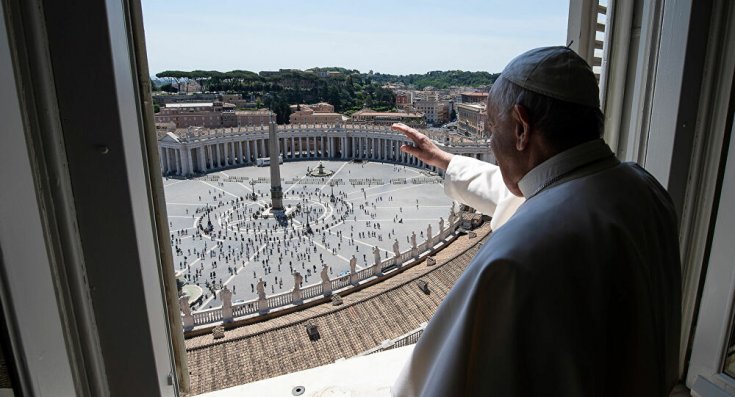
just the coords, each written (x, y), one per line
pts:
(86, 276)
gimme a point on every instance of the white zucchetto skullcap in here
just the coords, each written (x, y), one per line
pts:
(557, 72)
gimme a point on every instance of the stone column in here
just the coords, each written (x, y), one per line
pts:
(164, 162)
(189, 162)
(202, 160)
(241, 161)
(247, 152)
(216, 158)
(169, 161)
(177, 156)
(160, 160)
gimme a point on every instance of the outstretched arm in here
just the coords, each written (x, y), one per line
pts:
(425, 150)
(467, 180)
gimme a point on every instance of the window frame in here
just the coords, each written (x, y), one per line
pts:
(101, 311)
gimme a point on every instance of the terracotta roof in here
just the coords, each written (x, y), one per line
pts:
(365, 319)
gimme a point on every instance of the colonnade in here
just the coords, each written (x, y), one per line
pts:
(184, 157)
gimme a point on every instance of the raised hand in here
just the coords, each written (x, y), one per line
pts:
(424, 149)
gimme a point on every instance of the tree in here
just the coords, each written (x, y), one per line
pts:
(168, 87)
(453, 115)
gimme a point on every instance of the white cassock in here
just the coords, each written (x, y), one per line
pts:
(577, 294)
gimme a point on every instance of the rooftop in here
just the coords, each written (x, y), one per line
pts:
(373, 113)
(253, 112)
(189, 104)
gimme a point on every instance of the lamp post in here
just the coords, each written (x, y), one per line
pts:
(331, 185)
(252, 186)
(308, 217)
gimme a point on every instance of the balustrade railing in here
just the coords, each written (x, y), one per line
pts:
(340, 282)
(207, 316)
(279, 300)
(242, 309)
(311, 291)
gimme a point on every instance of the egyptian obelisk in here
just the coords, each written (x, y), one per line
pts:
(273, 150)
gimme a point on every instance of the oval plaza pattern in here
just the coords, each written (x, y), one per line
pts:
(219, 219)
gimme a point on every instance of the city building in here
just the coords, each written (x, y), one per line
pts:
(204, 114)
(435, 112)
(471, 118)
(403, 100)
(474, 97)
(255, 117)
(318, 113)
(163, 98)
(210, 115)
(370, 116)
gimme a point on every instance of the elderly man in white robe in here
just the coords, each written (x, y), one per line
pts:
(577, 292)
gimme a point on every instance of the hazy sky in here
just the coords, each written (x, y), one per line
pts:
(397, 36)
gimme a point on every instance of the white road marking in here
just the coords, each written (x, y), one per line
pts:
(173, 183)
(219, 188)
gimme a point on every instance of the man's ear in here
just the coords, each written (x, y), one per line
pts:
(522, 126)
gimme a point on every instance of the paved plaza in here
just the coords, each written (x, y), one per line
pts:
(375, 204)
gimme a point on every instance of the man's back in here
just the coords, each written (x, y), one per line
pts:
(577, 295)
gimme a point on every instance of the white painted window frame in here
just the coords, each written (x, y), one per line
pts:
(38, 239)
(715, 318)
(643, 74)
